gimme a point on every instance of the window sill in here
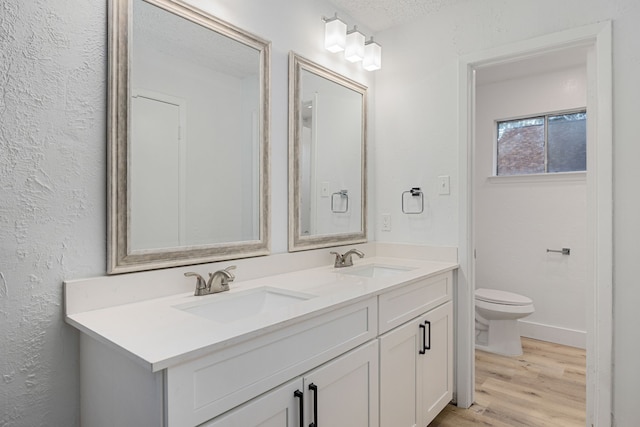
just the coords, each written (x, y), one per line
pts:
(539, 177)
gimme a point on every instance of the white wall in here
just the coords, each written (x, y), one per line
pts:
(418, 119)
(53, 175)
(518, 217)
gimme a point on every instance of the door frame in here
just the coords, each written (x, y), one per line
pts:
(598, 39)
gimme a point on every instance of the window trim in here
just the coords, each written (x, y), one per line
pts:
(545, 116)
(578, 176)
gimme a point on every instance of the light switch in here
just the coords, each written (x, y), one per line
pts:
(324, 189)
(443, 185)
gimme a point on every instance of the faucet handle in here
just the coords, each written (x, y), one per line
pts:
(231, 275)
(201, 284)
(339, 259)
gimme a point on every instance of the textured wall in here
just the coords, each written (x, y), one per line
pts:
(53, 169)
(52, 197)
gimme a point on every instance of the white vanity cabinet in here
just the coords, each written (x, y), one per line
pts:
(341, 393)
(118, 392)
(353, 362)
(416, 358)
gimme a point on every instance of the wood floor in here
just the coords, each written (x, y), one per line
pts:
(543, 387)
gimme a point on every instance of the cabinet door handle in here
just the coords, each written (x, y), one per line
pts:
(428, 346)
(314, 388)
(424, 339)
(300, 396)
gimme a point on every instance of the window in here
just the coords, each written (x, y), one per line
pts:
(542, 144)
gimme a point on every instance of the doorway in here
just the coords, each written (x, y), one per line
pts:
(596, 42)
(529, 190)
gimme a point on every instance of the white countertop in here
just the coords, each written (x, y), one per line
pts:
(158, 335)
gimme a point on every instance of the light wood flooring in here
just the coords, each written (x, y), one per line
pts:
(544, 387)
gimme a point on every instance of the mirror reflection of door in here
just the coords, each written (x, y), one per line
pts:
(308, 195)
(157, 176)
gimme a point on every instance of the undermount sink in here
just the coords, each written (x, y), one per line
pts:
(227, 308)
(375, 270)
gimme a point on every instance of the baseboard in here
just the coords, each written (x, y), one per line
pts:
(555, 334)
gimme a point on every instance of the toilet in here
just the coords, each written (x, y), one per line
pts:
(497, 314)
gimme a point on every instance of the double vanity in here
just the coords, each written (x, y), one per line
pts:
(366, 345)
(281, 340)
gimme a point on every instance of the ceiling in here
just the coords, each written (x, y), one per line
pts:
(379, 15)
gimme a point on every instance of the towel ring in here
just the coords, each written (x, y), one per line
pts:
(415, 192)
(343, 194)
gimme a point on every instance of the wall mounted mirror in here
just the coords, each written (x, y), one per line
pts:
(188, 138)
(327, 157)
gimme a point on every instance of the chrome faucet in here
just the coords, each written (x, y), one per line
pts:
(218, 281)
(346, 259)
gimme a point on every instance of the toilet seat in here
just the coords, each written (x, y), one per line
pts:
(495, 296)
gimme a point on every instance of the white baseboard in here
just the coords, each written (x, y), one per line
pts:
(555, 334)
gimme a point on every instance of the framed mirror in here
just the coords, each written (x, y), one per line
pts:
(188, 138)
(327, 157)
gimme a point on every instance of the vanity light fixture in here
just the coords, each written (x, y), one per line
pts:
(372, 56)
(354, 50)
(338, 39)
(335, 34)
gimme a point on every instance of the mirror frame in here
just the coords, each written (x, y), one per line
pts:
(120, 259)
(298, 242)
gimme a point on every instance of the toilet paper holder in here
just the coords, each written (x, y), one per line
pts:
(563, 251)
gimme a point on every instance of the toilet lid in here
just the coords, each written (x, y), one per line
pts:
(501, 297)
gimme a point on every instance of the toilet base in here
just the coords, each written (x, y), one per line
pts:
(501, 337)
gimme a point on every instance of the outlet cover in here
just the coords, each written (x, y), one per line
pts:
(386, 222)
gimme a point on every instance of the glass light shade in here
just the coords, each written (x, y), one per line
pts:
(354, 51)
(372, 56)
(335, 35)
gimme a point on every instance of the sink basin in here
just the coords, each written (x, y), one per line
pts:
(375, 270)
(227, 308)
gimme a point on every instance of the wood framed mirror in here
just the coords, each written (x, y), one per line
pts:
(327, 157)
(188, 138)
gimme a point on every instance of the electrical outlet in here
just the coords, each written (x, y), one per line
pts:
(443, 185)
(386, 222)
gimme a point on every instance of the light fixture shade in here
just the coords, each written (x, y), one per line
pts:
(335, 34)
(354, 51)
(372, 56)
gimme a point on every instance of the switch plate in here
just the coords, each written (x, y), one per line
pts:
(324, 189)
(443, 185)
(386, 222)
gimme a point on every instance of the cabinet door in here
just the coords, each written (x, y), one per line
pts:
(398, 380)
(344, 392)
(277, 408)
(435, 366)
(416, 369)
